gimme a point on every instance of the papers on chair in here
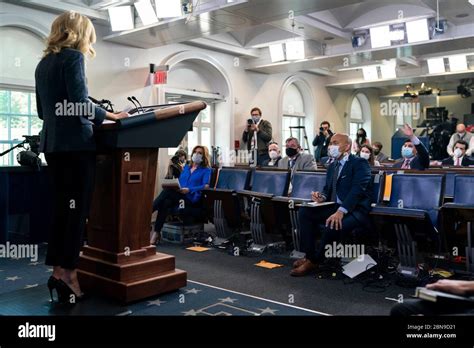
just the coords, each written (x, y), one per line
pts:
(358, 266)
(268, 265)
(198, 249)
(316, 204)
(171, 184)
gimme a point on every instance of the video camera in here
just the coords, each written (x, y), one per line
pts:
(30, 156)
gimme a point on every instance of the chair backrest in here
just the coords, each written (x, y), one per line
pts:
(273, 182)
(418, 191)
(378, 187)
(449, 184)
(464, 189)
(303, 183)
(233, 179)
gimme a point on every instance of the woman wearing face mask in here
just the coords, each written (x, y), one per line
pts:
(360, 140)
(366, 152)
(195, 177)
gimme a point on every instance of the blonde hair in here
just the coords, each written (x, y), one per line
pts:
(71, 30)
(206, 162)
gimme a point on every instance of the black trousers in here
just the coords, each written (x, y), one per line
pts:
(72, 175)
(165, 203)
(312, 223)
(418, 306)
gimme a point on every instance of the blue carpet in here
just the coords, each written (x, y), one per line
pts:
(24, 292)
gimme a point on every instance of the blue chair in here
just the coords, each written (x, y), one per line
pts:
(265, 184)
(304, 182)
(235, 179)
(223, 203)
(461, 211)
(378, 187)
(413, 212)
(449, 186)
(270, 182)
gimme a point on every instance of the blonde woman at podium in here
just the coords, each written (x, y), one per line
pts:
(67, 140)
(194, 178)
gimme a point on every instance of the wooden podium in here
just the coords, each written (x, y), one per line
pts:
(118, 260)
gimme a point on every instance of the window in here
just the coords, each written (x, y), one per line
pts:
(293, 115)
(18, 117)
(356, 118)
(202, 131)
(203, 126)
(359, 115)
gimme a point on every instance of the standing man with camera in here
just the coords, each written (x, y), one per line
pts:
(322, 140)
(257, 135)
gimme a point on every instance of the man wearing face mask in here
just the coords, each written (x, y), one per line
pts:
(414, 153)
(257, 135)
(348, 185)
(379, 155)
(461, 134)
(295, 158)
(459, 159)
(274, 154)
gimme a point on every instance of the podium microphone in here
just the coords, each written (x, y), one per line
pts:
(95, 101)
(133, 97)
(131, 100)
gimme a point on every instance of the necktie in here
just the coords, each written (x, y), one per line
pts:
(292, 163)
(406, 164)
(458, 161)
(334, 181)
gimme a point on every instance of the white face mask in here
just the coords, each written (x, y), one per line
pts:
(365, 155)
(333, 151)
(197, 158)
(457, 153)
(273, 154)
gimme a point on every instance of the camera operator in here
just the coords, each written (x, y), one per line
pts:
(322, 140)
(257, 135)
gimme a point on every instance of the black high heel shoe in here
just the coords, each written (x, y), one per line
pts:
(66, 294)
(52, 284)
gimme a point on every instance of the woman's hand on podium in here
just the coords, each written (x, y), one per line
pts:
(184, 190)
(118, 116)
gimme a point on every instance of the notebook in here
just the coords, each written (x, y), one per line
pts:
(172, 184)
(439, 296)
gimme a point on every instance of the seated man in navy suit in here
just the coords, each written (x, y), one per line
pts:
(414, 153)
(459, 158)
(348, 185)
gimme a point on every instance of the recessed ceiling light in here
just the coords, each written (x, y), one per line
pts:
(462, 15)
(328, 38)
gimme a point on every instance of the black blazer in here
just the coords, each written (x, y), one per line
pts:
(466, 161)
(63, 104)
(421, 160)
(353, 187)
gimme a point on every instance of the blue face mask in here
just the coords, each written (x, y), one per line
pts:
(407, 152)
(256, 118)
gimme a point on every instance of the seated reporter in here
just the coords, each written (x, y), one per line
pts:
(195, 177)
(295, 158)
(274, 154)
(414, 153)
(424, 307)
(348, 185)
(459, 159)
(366, 152)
